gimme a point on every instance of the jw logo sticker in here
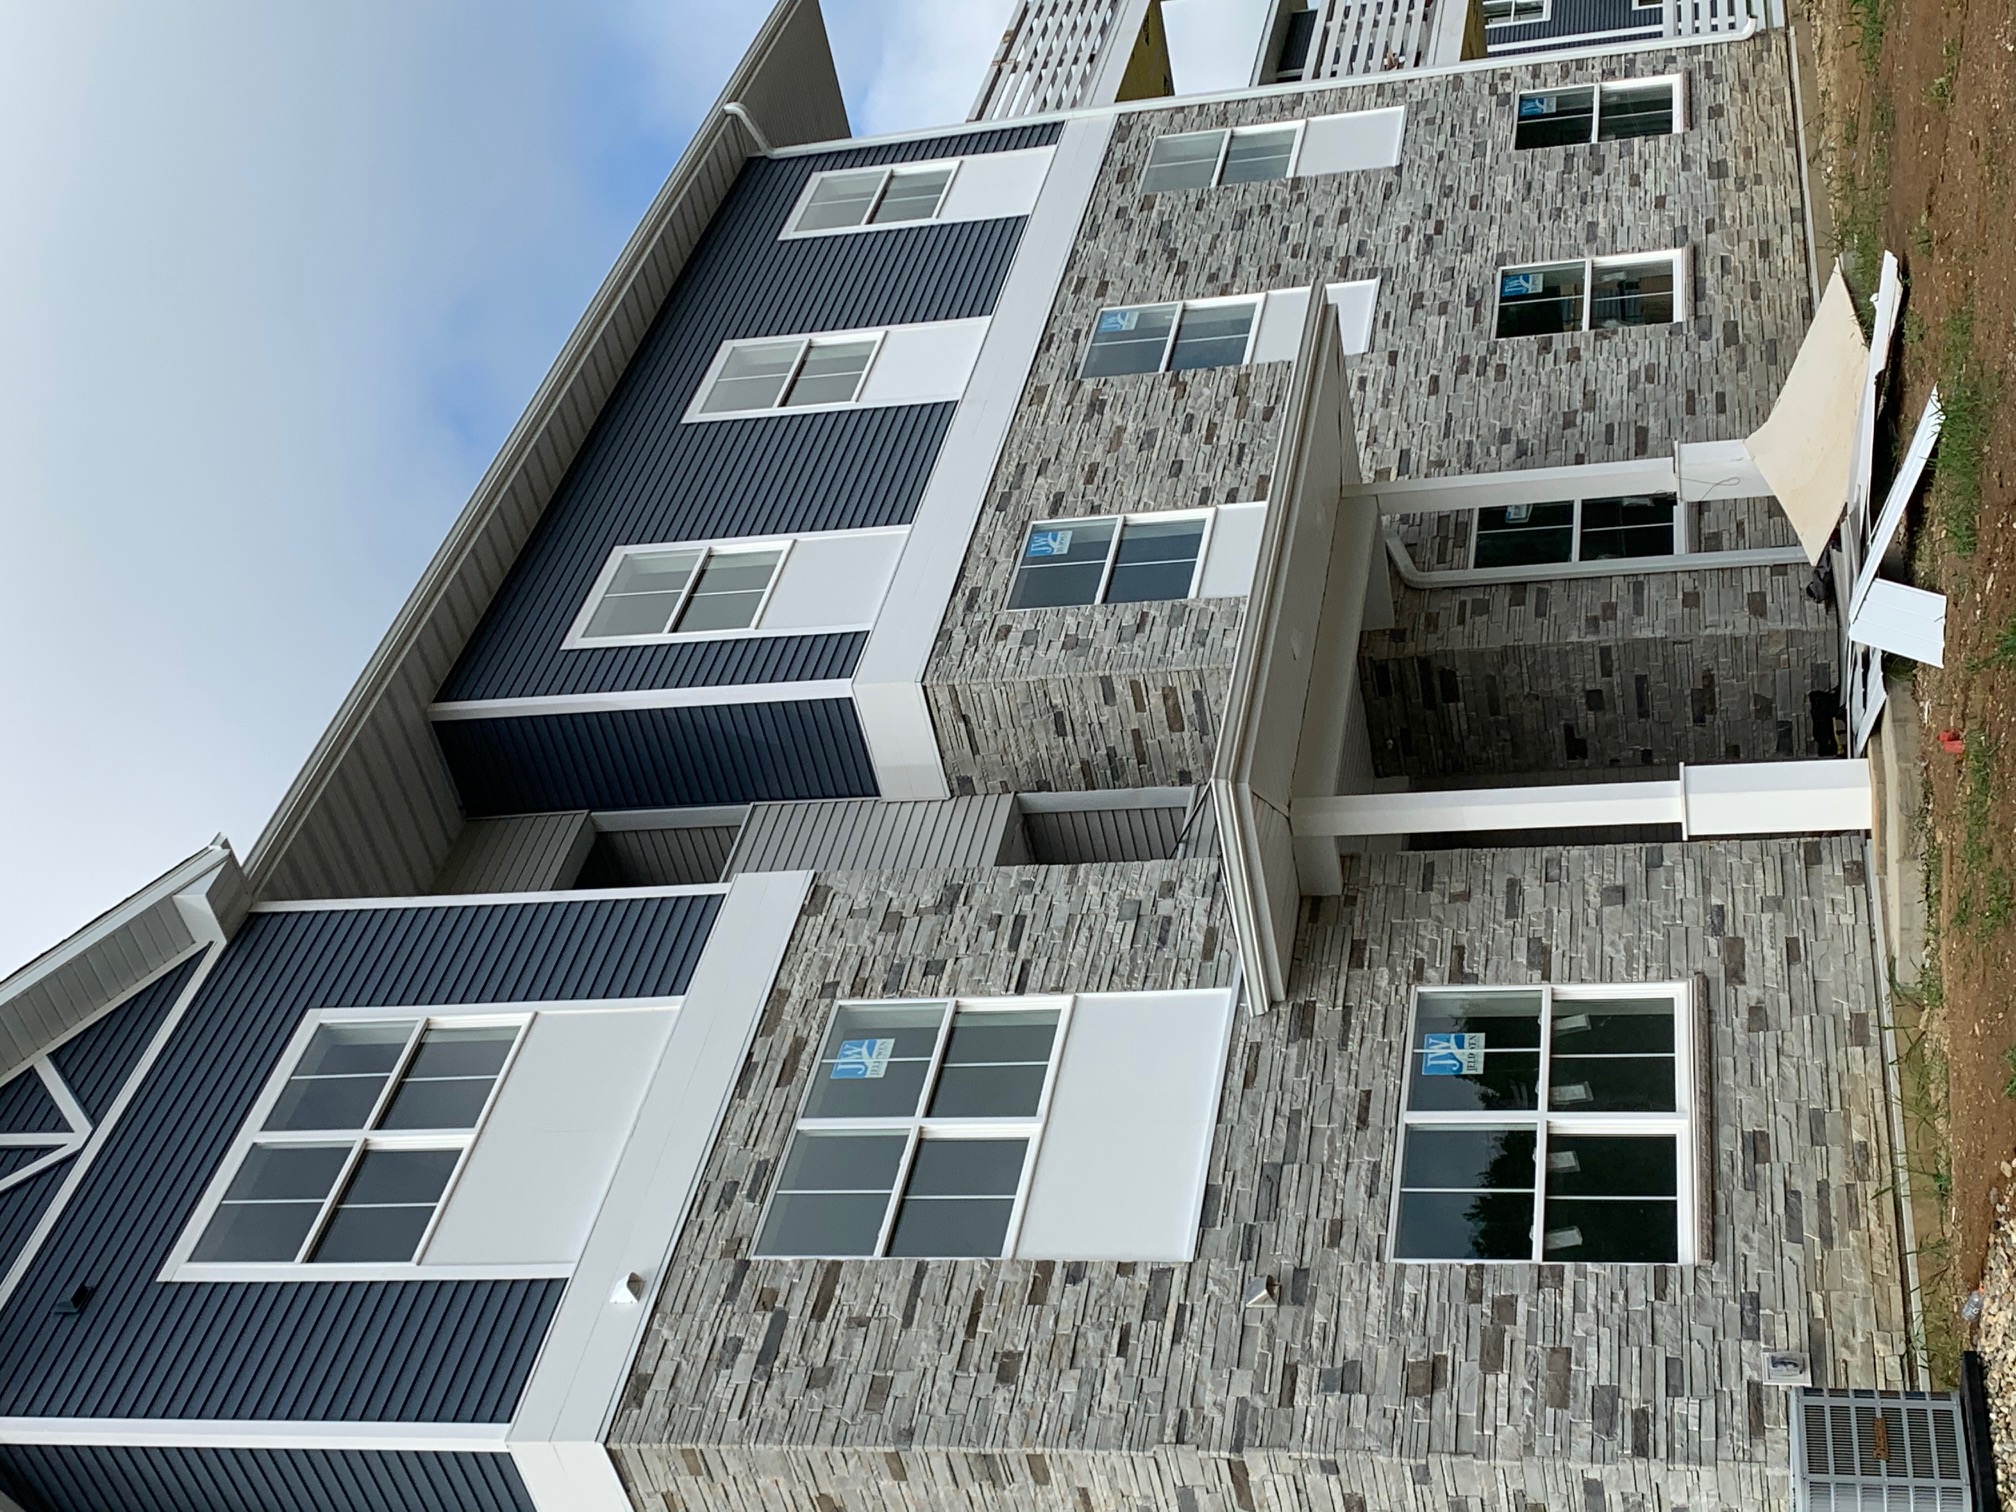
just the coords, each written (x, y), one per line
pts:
(1513, 285)
(1452, 1055)
(863, 1059)
(1049, 543)
(1118, 320)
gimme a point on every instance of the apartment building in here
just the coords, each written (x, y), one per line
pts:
(1129, 807)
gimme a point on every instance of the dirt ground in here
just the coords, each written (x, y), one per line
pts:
(1911, 127)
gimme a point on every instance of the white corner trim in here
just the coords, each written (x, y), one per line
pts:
(58, 1146)
(237, 1433)
(486, 900)
(642, 698)
(570, 1477)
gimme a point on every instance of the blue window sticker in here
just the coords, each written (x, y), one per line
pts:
(1049, 543)
(863, 1059)
(1118, 320)
(1533, 105)
(1452, 1055)
(1512, 285)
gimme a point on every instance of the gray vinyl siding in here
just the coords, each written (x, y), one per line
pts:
(873, 836)
(659, 857)
(659, 758)
(1076, 837)
(532, 853)
(409, 1351)
(100, 1478)
(642, 476)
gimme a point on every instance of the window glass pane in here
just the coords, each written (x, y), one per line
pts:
(1258, 155)
(1295, 41)
(995, 1064)
(1630, 1231)
(1616, 1026)
(1469, 1159)
(1540, 301)
(730, 590)
(1062, 563)
(1157, 560)
(1612, 1057)
(271, 1202)
(1464, 1226)
(874, 1061)
(643, 594)
(959, 1199)
(1611, 1165)
(340, 1076)
(912, 196)
(966, 1168)
(1641, 525)
(450, 1078)
(1475, 1052)
(819, 1223)
(1554, 118)
(1128, 340)
(1185, 161)
(1212, 336)
(1525, 535)
(836, 1162)
(1514, 12)
(831, 373)
(840, 199)
(1635, 110)
(386, 1207)
(1631, 294)
(752, 377)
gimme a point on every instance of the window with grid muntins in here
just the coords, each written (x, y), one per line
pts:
(1108, 561)
(1591, 294)
(1575, 530)
(1546, 1124)
(1879, 1451)
(873, 197)
(1171, 338)
(1597, 113)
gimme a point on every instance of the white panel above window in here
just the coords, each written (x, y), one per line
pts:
(1120, 1175)
(924, 364)
(1353, 303)
(831, 581)
(1347, 143)
(531, 1186)
(992, 185)
(1281, 324)
(1235, 548)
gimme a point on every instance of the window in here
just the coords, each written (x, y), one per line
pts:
(351, 1161)
(1546, 1123)
(1198, 159)
(1171, 337)
(790, 374)
(873, 197)
(1515, 12)
(1600, 113)
(664, 592)
(1575, 530)
(1297, 34)
(916, 1133)
(1548, 299)
(1108, 561)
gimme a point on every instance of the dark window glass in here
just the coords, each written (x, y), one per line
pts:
(959, 1199)
(912, 196)
(644, 594)
(1258, 155)
(1184, 161)
(341, 1073)
(271, 1203)
(1635, 526)
(1635, 110)
(1464, 1226)
(1295, 43)
(1540, 301)
(730, 590)
(1525, 535)
(1130, 340)
(832, 1194)
(1469, 1160)
(1555, 118)
(450, 1078)
(874, 1062)
(1157, 560)
(1614, 1057)
(1612, 1165)
(1625, 1231)
(1476, 1052)
(1212, 336)
(386, 1207)
(995, 1065)
(1632, 294)
(840, 199)
(1063, 562)
(752, 377)
(830, 374)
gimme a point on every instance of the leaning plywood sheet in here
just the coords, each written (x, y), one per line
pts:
(1805, 449)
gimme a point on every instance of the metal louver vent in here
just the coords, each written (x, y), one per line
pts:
(1879, 1451)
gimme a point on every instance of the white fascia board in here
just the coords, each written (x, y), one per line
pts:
(242, 1433)
(888, 680)
(580, 1373)
(642, 698)
(487, 900)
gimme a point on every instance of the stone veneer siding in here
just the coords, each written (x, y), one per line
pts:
(1573, 673)
(1122, 695)
(1367, 1387)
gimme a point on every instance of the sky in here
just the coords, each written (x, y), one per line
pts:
(275, 283)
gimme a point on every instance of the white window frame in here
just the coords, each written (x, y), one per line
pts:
(889, 171)
(1182, 307)
(1209, 516)
(1683, 294)
(806, 341)
(1681, 539)
(1684, 1123)
(1225, 149)
(1676, 84)
(920, 1125)
(178, 1267)
(1515, 19)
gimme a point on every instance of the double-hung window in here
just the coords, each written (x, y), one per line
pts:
(1547, 1124)
(1516, 12)
(1109, 561)
(684, 590)
(918, 1133)
(1174, 338)
(845, 199)
(1575, 530)
(1604, 293)
(1597, 113)
(790, 374)
(1243, 155)
(352, 1158)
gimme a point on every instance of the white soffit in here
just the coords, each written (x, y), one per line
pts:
(1805, 449)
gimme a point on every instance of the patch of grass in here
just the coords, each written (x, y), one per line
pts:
(1977, 792)
(1921, 244)
(1940, 91)
(1868, 19)
(2004, 654)
(1860, 196)
(1995, 902)
(1967, 394)
(1924, 1099)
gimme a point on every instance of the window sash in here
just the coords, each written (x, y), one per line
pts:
(1227, 136)
(707, 553)
(1579, 531)
(780, 401)
(1182, 308)
(1120, 524)
(1609, 100)
(1516, 12)
(1592, 268)
(1547, 1122)
(873, 203)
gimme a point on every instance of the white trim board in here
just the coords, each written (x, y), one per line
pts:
(485, 900)
(642, 698)
(238, 1433)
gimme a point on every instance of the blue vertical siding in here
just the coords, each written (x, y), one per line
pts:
(27, 1108)
(79, 1478)
(659, 758)
(1569, 20)
(643, 476)
(407, 1351)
